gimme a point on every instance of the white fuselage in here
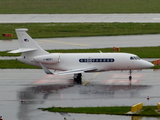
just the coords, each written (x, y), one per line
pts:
(74, 63)
(101, 61)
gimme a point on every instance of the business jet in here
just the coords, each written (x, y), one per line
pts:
(75, 63)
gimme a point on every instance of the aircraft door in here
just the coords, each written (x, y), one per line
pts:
(89, 60)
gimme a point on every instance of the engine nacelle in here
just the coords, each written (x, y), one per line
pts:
(48, 59)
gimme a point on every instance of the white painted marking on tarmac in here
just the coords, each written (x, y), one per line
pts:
(111, 81)
(55, 79)
(123, 78)
(120, 76)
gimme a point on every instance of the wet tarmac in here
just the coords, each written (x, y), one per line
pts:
(23, 91)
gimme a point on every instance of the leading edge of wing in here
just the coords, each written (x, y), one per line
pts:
(74, 71)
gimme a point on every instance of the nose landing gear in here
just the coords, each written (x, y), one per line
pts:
(130, 76)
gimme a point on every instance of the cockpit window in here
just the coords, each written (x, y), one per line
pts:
(131, 58)
(138, 58)
(134, 58)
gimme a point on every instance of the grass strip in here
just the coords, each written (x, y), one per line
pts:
(149, 111)
(78, 6)
(143, 52)
(52, 30)
(90, 110)
(10, 64)
(122, 110)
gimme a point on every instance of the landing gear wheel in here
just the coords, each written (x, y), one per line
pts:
(78, 78)
(130, 76)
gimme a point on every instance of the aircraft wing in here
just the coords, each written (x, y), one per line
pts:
(73, 71)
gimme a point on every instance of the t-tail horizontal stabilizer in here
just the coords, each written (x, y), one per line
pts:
(23, 50)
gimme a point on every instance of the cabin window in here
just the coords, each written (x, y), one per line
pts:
(93, 60)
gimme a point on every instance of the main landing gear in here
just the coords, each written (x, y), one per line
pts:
(78, 78)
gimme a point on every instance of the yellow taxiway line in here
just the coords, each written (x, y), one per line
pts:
(66, 43)
(91, 78)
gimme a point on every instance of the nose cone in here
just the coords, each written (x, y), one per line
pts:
(146, 64)
(151, 65)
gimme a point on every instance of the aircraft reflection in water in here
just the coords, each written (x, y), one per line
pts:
(75, 63)
(39, 93)
(73, 95)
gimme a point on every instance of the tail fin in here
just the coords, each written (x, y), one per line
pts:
(27, 44)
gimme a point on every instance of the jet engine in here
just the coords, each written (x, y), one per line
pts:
(48, 59)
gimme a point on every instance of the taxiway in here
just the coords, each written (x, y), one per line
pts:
(88, 42)
(69, 18)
